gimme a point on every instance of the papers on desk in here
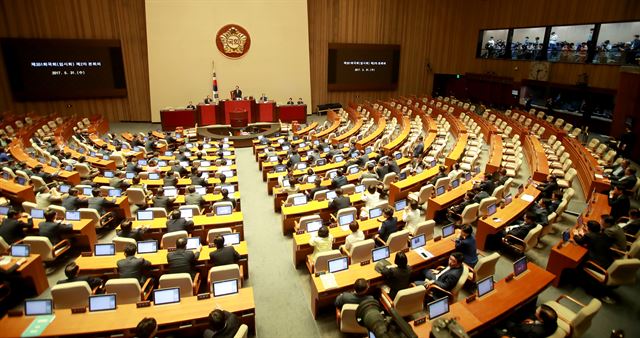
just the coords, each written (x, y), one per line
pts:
(424, 254)
(598, 176)
(527, 197)
(328, 281)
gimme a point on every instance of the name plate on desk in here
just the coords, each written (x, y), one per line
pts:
(78, 310)
(145, 303)
(509, 278)
(470, 298)
(437, 238)
(204, 296)
(405, 250)
(171, 249)
(363, 263)
(299, 232)
(420, 321)
(86, 254)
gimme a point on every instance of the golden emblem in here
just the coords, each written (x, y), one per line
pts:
(233, 41)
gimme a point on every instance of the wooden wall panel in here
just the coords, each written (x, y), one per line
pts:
(84, 19)
(441, 36)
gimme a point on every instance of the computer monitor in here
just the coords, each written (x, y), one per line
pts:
(87, 191)
(184, 163)
(467, 176)
(485, 286)
(418, 241)
(433, 163)
(37, 213)
(81, 150)
(150, 246)
(520, 266)
(338, 158)
(106, 157)
(142, 162)
(193, 243)
(187, 153)
(223, 210)
(201, 190)
(38, 307)
(333, 174)
(380, 253)
(508, 198)
(448, 230)
(566, 235)
(401, 204)
(106, 249)
(228, 173)
(168, 153)
(225, 287)
(130, 175)
(455, 183)
(438, 308)
(186, 213)
(206, 146)
(338, 264)
(520, 189)
(231, 239)
(440, 190)
(272, 159)
(311, 178)
(170, 192)
(368, 150)
(354, 170)
(20, 250)
(72, 215)
(403, 175)
(115, 192)
(299, 200)
(205, 175)
(108, 174)
(68, 168)
(162, 163)
(301, 166)
(226, 152)
(491, 209)
(398, 155)
(21, 180)
(6, 176)
(189, 145)
(4, 211)
(64, 188)
(280, 168)
(375, 212)
(166, 296)
(314, 226)
(345, 219)
(360, 188)
(477, 170)
(321, 161)
(205, 163)
(331, 194)
(285, 147)
(145, 215)
(93, 153)
(102, 302)
(326, 149)
(154, 176)
(230, 188)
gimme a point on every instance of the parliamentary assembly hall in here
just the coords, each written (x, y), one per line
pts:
(320, 168)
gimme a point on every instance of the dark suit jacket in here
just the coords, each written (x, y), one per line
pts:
(194, 199)
(350, 298)
(163, 202)
(133, 267)
(619, 206)
(388, 227)
(447, 281)
(338, 181)
(397, 279)
(547, 189)
(72, 203)
(418, 150)
(532, 330)
(598, 245)
(224, 256)
(522, 231)
(229, 199)
(340, 202)
(467, 247)
(53, 230)
(195, 180)
(170, 181)
(393, 167)
(237, 93)
(182, 261)
(626, 182)
(632, 228)
(231, 326)
(134, 233)
(12, 230)
(100, 204)
(92, 281)
(382, 171)
(180, 169)
(179, 225)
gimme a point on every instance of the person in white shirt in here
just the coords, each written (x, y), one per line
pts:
(356, 235)
(321, 242)
(455, 171)
(46, 196)
(371, 197)
(411, 216)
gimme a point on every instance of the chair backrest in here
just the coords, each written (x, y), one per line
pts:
(388, 179)
(136, 196)
(442, 182)
(486, 266)
(224, 272)
(127, 290)
(213, 233)
(291, 197)
(531, 239)
(623, 271)
(361, 250)
(40, 245)
(322, 260)
(195, 210)
(460, 284)
(92, 214)
(169, 239)
(346, 211)
(398, 240)
(582, 321)
(470, 213)
(369, 182)
(425, 193)
(348, 189)
(348, 322)
(180, 280)
(4, 246)
(121, 242)
(410, 300)
(634, 250)
(37, 182)
(425, 228)
(498, 192)
(158, 212)
(484, 205)
(27, 206)
(243, 331)
(71, 295)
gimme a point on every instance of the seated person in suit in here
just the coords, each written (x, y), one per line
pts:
(628, 181)
(614, 232)
(162, 201)
(445, 279)
(45, 197)
(543, 324)
(182, 260)
(466, 244)
(127, 231)
(12, 228)
(554, 203)
(170, 179)
(222, 324)
(147, 328)
(479, 194)
(71, 272)
(208, 100)
(177, 168)
(633, 223)
(388, 226)
(310, 193)
(300, 101)
(459, 208)
(370, 173)
(263, 98)
(393, 166)
(487, 184)
(223, 255)
(191, 106)
(236, 94)
(521, 230)
(294, 158)
(73, 201)
(226, 198)
(177, 223)
(119, 180)
(339, 180)
(322, 241)
(548, 187)
(290, 101)
(540, 210)
(131, 266)
(340, 202)
(52, 229)
(101, 204)
(619, 202)
(357, 296)
(597, 243)
(193, 198)
(618, 171)
(442, 172)
(196, 177)
(397, 276)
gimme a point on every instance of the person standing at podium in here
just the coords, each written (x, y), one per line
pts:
(236, 94)
(208, 100)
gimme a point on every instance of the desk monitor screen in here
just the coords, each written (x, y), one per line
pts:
(206, 146)
(186, 213)
(230, 188)
(72, 215)
(226, 152)
(142, 162)
(205, 163)
(300, 200)
(168, 153)
(20, 250)
(354, 155)
(485, 286)
(491, 209)
(508, 199)
(6, 176)
(193, 243)
(68, 168)
(154, 176)
(398, 155)
(225, 287)
(102, 302)
(302, 166)
(338, 158)
(166, 296)
(368, 150)
(106, 157)
(37, 307)
(93, 153)
(272, 159)
(224, 210)
(201, 190)
(403, 175)
(380, 253)
(467, 176)
(145, 215)
(433, 163)
(314, 226)
(170, 192)
(455, 183)
(418, 242)
(321, 161)
(37, 213)
(4, 211)
(338, 264)
(107, 249)
(184, 163)
(448, 230)
(81, 150)
(150, 246)
(285, 147)
(286, 183)
(440, 190)
(189, 145)
(162, 163)
(438, 308)
(187, 153)
(130, 175)
(115, 192)
(354, 170)
(326, 149)
(401, 204)
(280, 168)
(65, 188)
(228, 173)
(231, 239)
(360, 188)
(54, 163)
(375, 212)
(331, 195)
(108, 174)
(520, 266)
(333, 174)
(21, 180)
(311, 178)
(87, 191)
(345, 219)
(477, 170)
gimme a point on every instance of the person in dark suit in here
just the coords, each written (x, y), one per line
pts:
(339, 180)
(73, 201)
(521, 230)
(177, 168)
(628, 181)
(543, 324)
(614, 232)
(147, 328)
(397, 277)
(382, 169)
(99, 203)
(131, 266)
(290, 101)
(226, 198)
(618, 171)
(196, 177)
(169, 179)
(597, 243)
(119, 181)
(393, 166)
(340, 202)
(442, 173)
(357, 296)
(161, 201)
(633, 225)
(445, 279)
(222, 324)
(127, 231)
(487, 184)
(619, 203)
(223, 255)
(12, 228)
(51, 229)
(263, 98)
(549, 187)
(466, 244)
(300, 101)
(182, 260)
(208, 100)
(419, 148)
(236, 93)
(294, 158)
(176, 223)
(71, 272)
(191, 106)
(193, 198)
(389, 226)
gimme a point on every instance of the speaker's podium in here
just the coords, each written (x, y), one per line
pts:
(224, 112)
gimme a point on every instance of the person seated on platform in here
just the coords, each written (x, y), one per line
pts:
(543, 324)
(398, 276)
(73, 201)
(357, 296)
(223, 255)
(290, 101)
(411, 216)
(193, 198)
(598, 244)
(632, 224)
(388, 226)
(182, 260)
(548, 187)
(619, 202)
(466, 244)
(618, 171)
(52, 229)
(263, 98)
(236, 94)
(370, 173)
(321, 241)
(614, 232)
(191, 106)
(446, 278)
(127, 231)
(442, 173)
(101, 204)
(356, 235)
(226, 198)
(339, 180)
(208, 100)
(340, 202)
(161, 201)
(196, 177)
(13, 229)
(222, 324)
(147, 328)
(45, 196)
(520, 230)
(132, 266)
(300, 101)
(177, 223)
(71, 272)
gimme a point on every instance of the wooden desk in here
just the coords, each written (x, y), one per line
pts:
(306, 130)
(189, 315)
(203, 223)
(456, 153)
(394, 144)
(16, 192)
(382, 125)
(495, 155)
(445, 200)
(590, 173)
(291, 214)
(506, 215)
(459, 311)
(32, 270)
(335, 123)
(401, 189)
(84, 230)
(536, 158)
(569, 255)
